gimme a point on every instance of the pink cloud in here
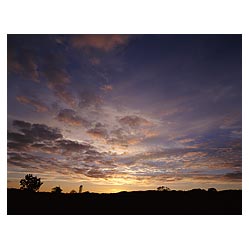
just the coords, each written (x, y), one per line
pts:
(101, 42)
(39, 107)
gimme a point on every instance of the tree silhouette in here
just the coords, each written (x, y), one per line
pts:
(163, 188)
(56, 190)
(30, 183)
(73, 191)
(80, 189)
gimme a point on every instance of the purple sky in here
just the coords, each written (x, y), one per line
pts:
(125, 112)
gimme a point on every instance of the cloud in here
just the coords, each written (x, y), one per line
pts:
(48, 139)
(134, 121)
(99, 131)
(23, 63)
(70, 117)
(101, 42)
(123, 137)
(21, 124)
(39, 106)
(31, 133)
(54, 70)
(73, 146)
(233, 176)
(196, 164)
(76, 158)
(19, 139)
(106, 87)
(39, 148)
(63, 94)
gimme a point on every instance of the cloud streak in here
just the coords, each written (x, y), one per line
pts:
(37, 105)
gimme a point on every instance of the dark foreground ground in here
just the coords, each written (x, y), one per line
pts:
(198, 202)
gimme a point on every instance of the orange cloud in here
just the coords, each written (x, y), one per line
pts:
(101, 42)
(39, 107)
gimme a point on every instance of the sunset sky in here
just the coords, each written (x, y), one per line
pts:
(125, 112)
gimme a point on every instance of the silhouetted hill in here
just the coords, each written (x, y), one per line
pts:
(135, 203)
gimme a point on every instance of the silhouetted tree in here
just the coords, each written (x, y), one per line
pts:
(73, 191)
(30, 183)
(212, 190)
(163, 188)
(80, 189)
(56, 190)
(197, 190)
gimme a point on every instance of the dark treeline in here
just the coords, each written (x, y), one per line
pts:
(196, 202)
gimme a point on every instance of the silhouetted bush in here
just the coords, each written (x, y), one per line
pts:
(73, 191)
(212, 190)
(163, 188)
(56, 190)
(30, 183)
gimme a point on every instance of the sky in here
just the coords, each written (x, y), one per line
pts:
(125, 112)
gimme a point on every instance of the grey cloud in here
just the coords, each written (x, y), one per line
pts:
(70, 117)
(31, 133)
(233, 176)
(73, 146)
(21, 124)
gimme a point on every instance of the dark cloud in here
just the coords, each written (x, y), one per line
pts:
(44, 138)
(70, 117)
(95, 173)
(21, 124)
(19, 138)
(42, 132)
(31, 133)
(73, 146)
(233, 176)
